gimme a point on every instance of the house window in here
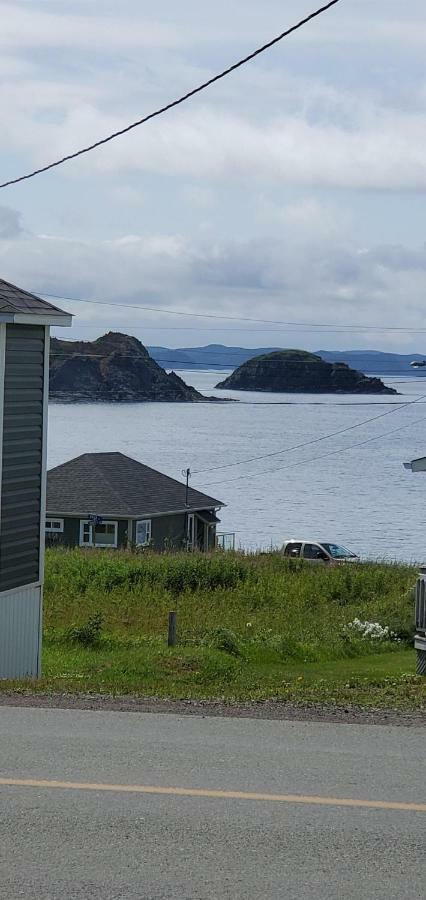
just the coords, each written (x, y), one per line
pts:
(54, 525)
(104, 534)
(143, 532)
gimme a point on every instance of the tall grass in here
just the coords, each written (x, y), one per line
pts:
(260, 606)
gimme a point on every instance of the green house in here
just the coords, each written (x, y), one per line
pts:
(110, 500)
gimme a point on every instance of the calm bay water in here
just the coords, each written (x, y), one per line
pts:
(362, 497)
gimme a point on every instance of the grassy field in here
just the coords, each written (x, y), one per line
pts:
(249, 627)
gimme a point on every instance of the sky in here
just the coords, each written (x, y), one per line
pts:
(292, 191)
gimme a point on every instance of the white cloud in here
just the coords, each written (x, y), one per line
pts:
(381, 149)
(10, 223)
(275, 122)
(33, 27)
(382, 153)
(228, 203)
(320, 279)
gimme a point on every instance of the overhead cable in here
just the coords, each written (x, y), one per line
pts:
(190, 365)
(173, 103)
(275, 322)
(303, 462)
(317, 440)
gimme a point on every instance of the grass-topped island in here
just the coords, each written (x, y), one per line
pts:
(249, 628)
(297, 371)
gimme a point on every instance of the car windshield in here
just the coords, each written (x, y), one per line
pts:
(337, 552)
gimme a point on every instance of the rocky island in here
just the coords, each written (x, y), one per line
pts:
(114, 368)
(296, 371)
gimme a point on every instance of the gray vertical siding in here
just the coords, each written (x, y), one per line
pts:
(22, 456)
(19, 633)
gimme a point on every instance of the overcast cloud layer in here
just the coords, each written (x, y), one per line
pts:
(293, 190)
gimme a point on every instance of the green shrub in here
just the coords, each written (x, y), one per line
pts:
(221, 638)
(89, 634)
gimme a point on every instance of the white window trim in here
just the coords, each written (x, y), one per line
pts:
(90, 543)
(56, 520)
(146, 522)
(191, 531)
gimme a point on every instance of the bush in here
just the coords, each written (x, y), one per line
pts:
(223, 639)
(89, 634)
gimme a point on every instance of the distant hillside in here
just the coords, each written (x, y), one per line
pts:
(217, 357)
(374, 361)
(213, 356)
(295, 371)
(114, 368)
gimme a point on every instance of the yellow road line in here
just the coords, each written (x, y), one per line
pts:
(207, 793)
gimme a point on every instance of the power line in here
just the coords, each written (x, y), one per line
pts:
(395, 408)
(173, 312)
(315, 458)
(308, 443)
(296, 330)
(224, 363)
(191, 365)
(174, 103)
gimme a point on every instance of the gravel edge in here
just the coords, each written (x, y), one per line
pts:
(263, 709)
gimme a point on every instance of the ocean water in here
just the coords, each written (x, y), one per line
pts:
(360, 496)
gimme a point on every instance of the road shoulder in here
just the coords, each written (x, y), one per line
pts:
(267, 709)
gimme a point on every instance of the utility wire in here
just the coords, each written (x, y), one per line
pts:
(315, 458)
(166, 328)
(173, 312)
(224, 363)
(395, 408)
(174, 103)
(191, 365)
(324, 437)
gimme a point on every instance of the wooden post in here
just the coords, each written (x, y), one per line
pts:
(172, 638)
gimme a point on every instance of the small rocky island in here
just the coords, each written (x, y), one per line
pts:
(296, 371)
(114, 368)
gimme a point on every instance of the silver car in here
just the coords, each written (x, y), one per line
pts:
(319, 552)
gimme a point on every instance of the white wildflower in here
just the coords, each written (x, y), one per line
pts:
(372, 631)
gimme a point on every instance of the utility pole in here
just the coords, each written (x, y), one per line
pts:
(172, 629)
(187, 473)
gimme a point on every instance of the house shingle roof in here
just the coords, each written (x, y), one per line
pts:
(14, 300)
(112, 484)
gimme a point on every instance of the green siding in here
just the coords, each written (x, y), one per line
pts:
(71, 533)
(22, 456)
(167, 532)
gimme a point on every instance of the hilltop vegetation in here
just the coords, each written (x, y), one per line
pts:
(296, 371)
(249, 627)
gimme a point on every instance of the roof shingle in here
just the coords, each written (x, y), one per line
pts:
(112, 484)
(15, 300)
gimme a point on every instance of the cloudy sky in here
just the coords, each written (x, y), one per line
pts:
(294, 190)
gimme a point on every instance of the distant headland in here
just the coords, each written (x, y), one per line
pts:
(114, 368)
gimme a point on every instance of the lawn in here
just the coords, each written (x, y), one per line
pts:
(249, 627)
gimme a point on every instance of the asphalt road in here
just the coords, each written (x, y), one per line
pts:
(181, 820)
